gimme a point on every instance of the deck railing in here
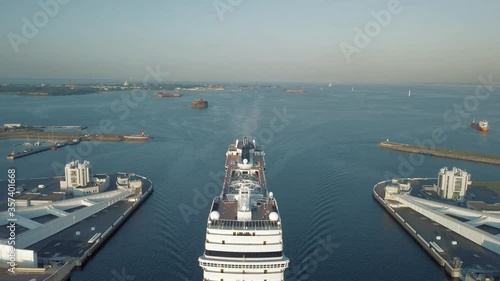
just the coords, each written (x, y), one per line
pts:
(244, 225)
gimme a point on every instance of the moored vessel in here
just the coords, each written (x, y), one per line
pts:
(244, 233)
(141, 137)
(74, 141)
(480, 125)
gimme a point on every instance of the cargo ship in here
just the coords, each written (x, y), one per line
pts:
(482, 125)
(201, 103)
(141, 137)
(295, 91)
(167, 95)
(244, 232)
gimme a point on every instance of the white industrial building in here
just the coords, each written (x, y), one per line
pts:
(12, 125)
(80, 181)
(397, 187)
(452, 184)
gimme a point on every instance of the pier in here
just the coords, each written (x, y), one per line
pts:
(34, 134)
(446, 232)
(15, 155)
(60, 252)
(60, 139)
(442, 152)
(60, 127)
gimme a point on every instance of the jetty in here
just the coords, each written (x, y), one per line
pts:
(33, 134)
(60, 139)
(442, 152)
(459, 239)
(70, 232)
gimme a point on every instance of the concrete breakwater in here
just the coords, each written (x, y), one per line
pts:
(442, 152)
(34, 135)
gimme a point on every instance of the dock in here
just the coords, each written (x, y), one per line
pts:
(13, 156)
(72, 247)
(460, 257)
(442, 152)
(63, 139)
(60, 127)
(34, 134)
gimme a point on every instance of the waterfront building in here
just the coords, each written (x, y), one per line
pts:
(397, 187)
(452, 184)
(80, 181)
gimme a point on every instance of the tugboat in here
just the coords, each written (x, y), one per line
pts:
(201, 103)
(482, 125)
(11, 155)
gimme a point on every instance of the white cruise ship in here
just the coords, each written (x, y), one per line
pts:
(244, 235)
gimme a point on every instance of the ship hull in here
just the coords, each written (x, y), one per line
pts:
(479, 128)
(244, 232)
(136, 138)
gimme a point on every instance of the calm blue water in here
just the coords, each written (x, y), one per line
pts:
(322, 163)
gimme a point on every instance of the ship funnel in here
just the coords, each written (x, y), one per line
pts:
(245, 141)
(254, 146)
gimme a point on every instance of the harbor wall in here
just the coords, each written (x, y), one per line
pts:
(65, 136)
(114, 227)
(62, 273)
(453, 272)
(440, 152)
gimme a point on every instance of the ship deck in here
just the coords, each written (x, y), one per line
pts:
(232, 165)
(227, 205)
(228, 210)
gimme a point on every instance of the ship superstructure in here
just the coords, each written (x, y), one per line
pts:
(244, 234)
(481, 125)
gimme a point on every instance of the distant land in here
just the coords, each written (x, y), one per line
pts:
(83, 89)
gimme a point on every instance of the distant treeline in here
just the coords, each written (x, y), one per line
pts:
(28, 90)
(64, 90)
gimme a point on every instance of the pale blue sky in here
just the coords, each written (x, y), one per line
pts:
(259, 40)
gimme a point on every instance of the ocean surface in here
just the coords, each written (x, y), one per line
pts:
(322, 163)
